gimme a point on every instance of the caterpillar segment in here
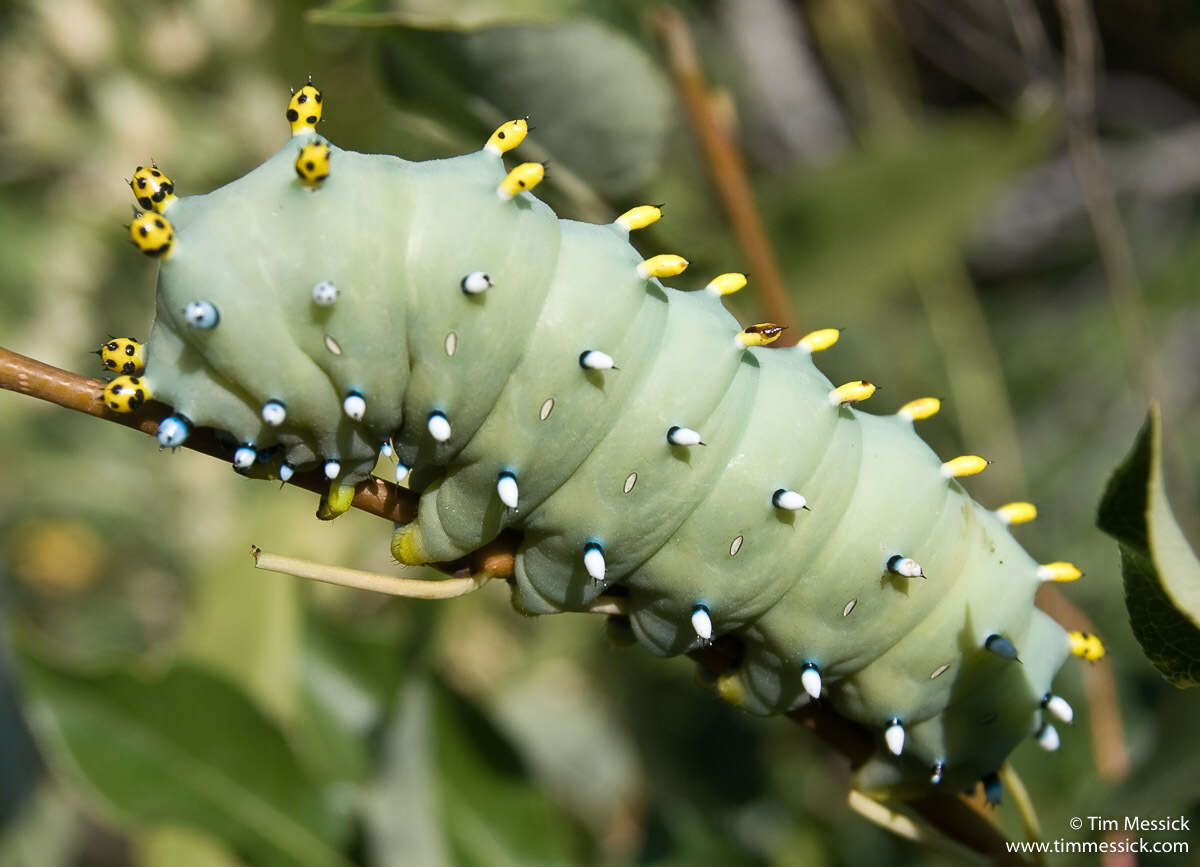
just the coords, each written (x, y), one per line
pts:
(441, 309)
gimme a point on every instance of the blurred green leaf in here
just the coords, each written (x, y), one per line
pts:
(183, 748)
(601, 107)
(1162, 575)
(444, 14)
(453, 791)
(861, 225)
(181, 847)
(43, 833)
(246, 625)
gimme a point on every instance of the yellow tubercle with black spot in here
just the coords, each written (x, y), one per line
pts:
(153, 190)
(313, 164)
(1085, 645)
(123, 355)
(522, 179)
(126, 394)
(152, 233)
(507, 136)
(304, 109)
(762, 334)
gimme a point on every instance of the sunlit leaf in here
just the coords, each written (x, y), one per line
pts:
(1162, 575)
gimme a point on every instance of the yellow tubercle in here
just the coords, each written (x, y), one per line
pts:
(1060, 570)
(730, 688)
(964, 465)
(507, 136)
(1086, 646)
(152, 234)
(123, 355)
(522, 179)
(922, 407)
(337, 502)
(822, 338)
(662, 265)
(304, 109)
(639, 217)
(855, 391)
(726, 284)
(407, 546)
(153, 190)
(762, 334)
(313, 164)
(1017, 513)
(126, 394)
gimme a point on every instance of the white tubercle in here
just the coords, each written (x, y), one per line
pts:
(683, 436)
(386, 449)
(244, 457)
(331, 469)
(476, 282)
(810, 678)
(506, 489)
(905, 566)
(593, 561)
(401, 473)
(893, 736)
(702, 623)
(324, 294)
(1047, 737)
(594, 359)
(1058, 707)
(274, 413)
(355, 406)
(286, 471)
(439, 427)
(789, 500)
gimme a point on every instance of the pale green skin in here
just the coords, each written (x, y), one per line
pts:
(398, 237)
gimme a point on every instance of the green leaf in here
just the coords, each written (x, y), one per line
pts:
(183, 748)
(453, 791)
(902, 201)
(1162, 575)
(181, 847)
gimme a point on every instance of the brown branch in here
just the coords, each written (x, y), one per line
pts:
(727, 169)
(949, 813)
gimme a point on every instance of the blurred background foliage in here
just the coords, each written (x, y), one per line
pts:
(162, 703)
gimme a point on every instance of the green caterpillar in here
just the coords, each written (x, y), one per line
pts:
(534, 373)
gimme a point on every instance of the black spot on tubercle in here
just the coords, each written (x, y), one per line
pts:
(292, 114)
(312, 118)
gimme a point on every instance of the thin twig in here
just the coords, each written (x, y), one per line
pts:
(727, 169)
(946, 812)
(392, 585)
(1081, 55)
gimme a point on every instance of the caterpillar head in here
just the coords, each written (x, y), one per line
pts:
(304, 109)
(123, 355)
(312, 164)
(152, 233)
(153, 190)
(126, 394)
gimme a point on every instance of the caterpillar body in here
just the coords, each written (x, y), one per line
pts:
(536, 374)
